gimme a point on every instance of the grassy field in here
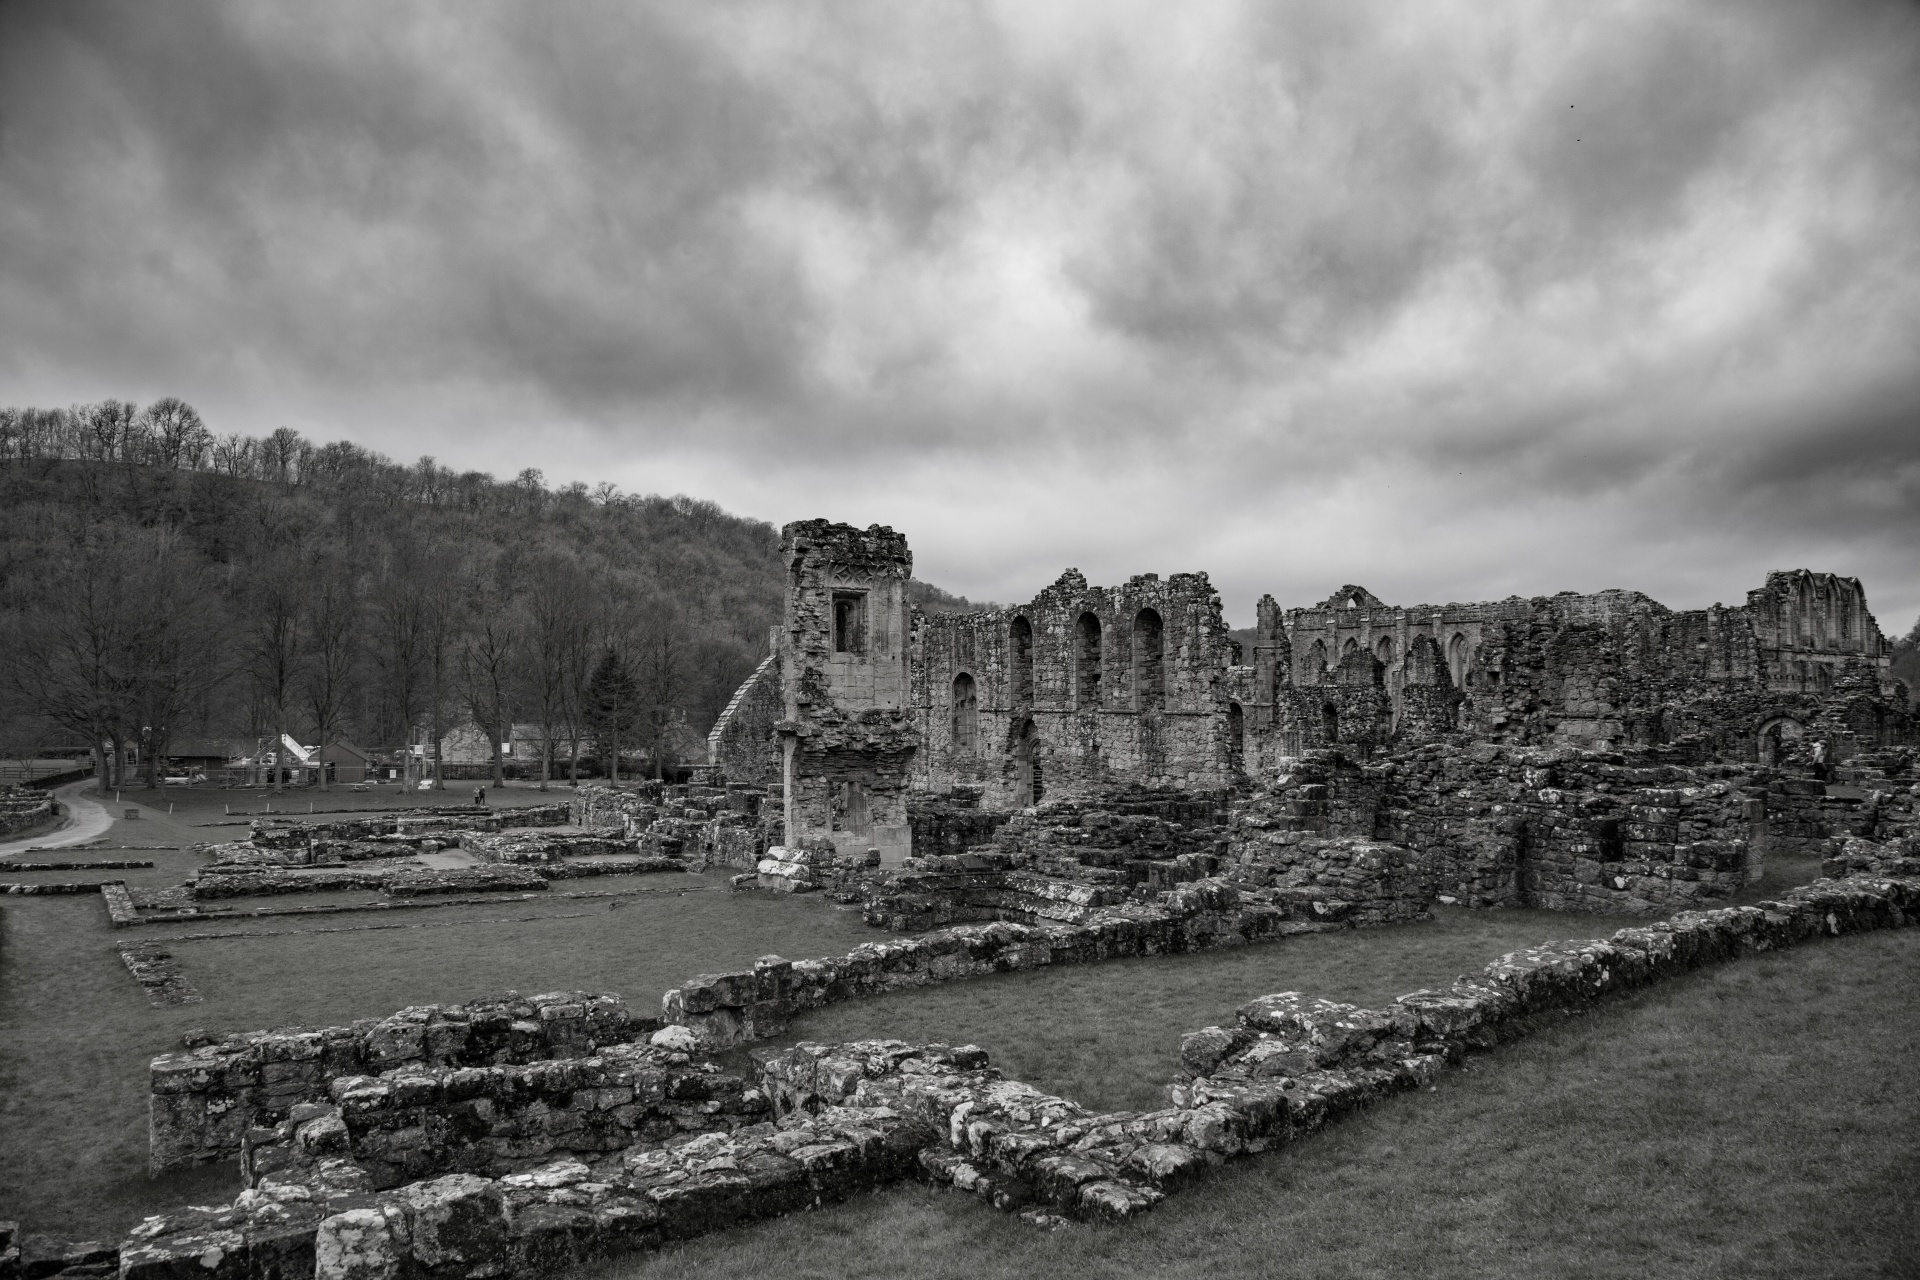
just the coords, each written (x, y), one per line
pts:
(75, 1035)
(211, 802)
(1108, 1035)
(1756, 1120)
(76, 1032)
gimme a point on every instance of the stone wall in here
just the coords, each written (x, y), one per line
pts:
(311, 1213)
(1084, 690)
(743, 746)
(849, 1117)
(1803, 659)
(1074, 924)
(847, 741)
(726, 825)
(1080, 690)
(23, 808)
(952, 821)
(421, 1122)
(202, 1100)
(1494, 826)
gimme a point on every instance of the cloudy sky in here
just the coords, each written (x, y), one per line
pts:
(1451, 300)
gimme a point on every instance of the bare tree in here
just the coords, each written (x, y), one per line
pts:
(274, 606)
(443, 590)
(178, 437)
(235, 455)
(556, 598)
(397, 629)
(662, 662)
(66, 651)
(332, 643)
(489, 662)
(175, 654)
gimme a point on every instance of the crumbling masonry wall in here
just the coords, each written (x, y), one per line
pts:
(846, 737)
(1567, 830)
(22, 808)
(202, 1101)
(1081, 690)
(850, 1117)
(1802, 660)
(742, 748)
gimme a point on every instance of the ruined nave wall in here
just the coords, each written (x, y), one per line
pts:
(1611, 670)
(1080, 689)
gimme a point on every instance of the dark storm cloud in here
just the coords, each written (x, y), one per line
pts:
(1311, 291)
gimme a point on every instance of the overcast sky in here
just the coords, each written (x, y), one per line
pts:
(1450, 300)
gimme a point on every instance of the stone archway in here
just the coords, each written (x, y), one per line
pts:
(1777, 738)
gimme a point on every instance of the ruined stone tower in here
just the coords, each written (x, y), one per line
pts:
(846, 740)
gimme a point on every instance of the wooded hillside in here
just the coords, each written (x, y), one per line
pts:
(158, 582)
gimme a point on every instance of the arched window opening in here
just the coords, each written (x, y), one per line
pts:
(1316, 668)
(1383, 650)
(1020, 647)
(966, 715)
(1087, 662)
(1349, 647)
(1330, 722)
(1457, 659)
(1236, 738)
(849, 622)
(1149, 666)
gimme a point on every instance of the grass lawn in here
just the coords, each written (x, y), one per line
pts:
(210, 802)
(1758, 1119)
(76, 1033)
(1108, 1035)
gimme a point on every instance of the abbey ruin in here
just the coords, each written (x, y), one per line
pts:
(1098, 774)
(1600, 751)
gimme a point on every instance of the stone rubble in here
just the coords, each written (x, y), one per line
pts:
(517, 1169)
(24, 808)
(158, 974)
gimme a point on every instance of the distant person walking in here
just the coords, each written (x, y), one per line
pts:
(479, 795)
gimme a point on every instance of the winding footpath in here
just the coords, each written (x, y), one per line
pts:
(86, 820)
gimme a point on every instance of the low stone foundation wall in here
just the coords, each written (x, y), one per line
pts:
(726, 1009)
(731, 826)
(55, 887)
(24, 808)
(240, 880)
(843, 1118)
(313, 1215)
(541, 847)
(203, 1100)
(420, 1123)
(815, 864)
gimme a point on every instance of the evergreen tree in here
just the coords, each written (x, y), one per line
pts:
(613, 698)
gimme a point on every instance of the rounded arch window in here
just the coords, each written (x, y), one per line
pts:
(1087, 661)
(1149, 662)
(1020, 660)
(966, 715)
(1458, 658)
